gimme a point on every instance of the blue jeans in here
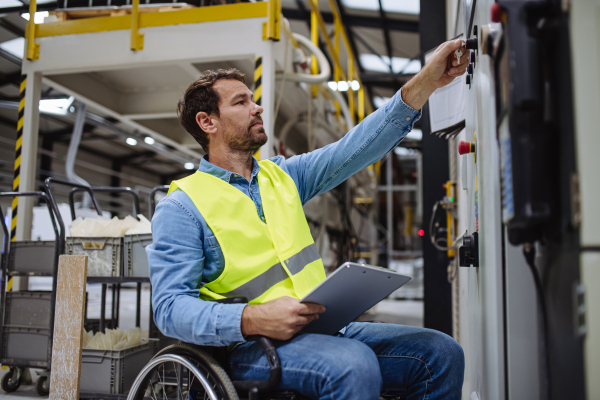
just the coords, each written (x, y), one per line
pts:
(368, 359)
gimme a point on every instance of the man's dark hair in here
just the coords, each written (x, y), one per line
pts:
(201, 96)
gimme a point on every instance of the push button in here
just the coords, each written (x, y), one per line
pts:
(465, 147)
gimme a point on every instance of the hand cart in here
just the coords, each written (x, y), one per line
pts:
(152, 200)
(114, 281)
(27, 320)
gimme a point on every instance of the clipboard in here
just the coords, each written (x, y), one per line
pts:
(348, 292)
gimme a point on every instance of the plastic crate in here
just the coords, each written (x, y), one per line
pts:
(31, 256)
(29, 309)
(114, 371)
(104, 260)
(134, 254)
(25, 344)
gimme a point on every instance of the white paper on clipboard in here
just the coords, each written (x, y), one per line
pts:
(447, 105)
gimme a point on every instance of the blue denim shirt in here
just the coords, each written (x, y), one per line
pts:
(185, 254)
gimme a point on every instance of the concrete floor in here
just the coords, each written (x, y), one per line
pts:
(391, 311)
(24, 393)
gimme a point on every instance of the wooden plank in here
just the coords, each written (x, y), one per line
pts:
(68, 327)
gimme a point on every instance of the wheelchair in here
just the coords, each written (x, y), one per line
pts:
(191, 372)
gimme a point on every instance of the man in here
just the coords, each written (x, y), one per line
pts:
(236, 227)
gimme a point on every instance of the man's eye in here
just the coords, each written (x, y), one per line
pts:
(240, 102)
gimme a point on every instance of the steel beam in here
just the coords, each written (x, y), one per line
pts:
(386, 32)
(354, 20)
(437, 291)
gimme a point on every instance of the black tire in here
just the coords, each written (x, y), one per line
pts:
(216, 375)
(7, 384)
(42, 386)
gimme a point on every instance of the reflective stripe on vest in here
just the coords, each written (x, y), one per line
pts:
(262, 261)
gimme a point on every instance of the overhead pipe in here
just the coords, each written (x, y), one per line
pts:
(323, 63)
(72, 152)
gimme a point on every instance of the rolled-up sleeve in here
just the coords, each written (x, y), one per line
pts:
(176, 259)
(323, 169)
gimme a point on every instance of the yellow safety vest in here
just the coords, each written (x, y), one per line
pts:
(262, 261)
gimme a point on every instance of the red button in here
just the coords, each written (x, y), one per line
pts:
(465, 147)
(496, 13)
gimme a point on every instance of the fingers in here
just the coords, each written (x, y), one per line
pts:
(459, 70)
(450, 46)
(306, 319)
(311, 308)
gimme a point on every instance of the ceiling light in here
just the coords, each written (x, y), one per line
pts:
(39, 16)
(149, 140)
(342, 86)
(332, 85)
(131, 141)
(355, 85)
(189, 165)
(56, 106)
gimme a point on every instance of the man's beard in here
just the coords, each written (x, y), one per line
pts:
(250, 141)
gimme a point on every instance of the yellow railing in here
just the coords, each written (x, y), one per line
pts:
(271, 9)
(358, 105)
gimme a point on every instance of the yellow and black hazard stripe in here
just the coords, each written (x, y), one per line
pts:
(15, 202)
(258, 89)
(17, 176)
(258, 81)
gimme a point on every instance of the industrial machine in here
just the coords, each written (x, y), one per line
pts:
(520, 236)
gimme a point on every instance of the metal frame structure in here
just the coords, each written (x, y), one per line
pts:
(150, 39)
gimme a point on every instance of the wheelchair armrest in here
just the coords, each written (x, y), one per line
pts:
(270, 352)
(274, 366)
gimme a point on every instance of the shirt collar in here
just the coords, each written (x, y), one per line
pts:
(207, 167)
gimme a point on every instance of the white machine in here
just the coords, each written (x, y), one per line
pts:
(526, 241)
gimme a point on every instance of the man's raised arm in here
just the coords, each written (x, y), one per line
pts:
(323, 169)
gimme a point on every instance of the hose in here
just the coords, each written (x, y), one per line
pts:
(325, 73)
(72, 152)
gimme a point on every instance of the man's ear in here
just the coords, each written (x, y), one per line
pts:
(205, 122)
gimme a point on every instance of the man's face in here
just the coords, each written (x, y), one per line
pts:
(239, 124)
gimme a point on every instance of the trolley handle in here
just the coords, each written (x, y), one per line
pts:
(152, 201)
(110, 189)
(62, 231)
(46, 199)
(58, 248)
(88, 189)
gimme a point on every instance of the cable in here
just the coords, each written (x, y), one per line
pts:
(434, 240)
(529, 253)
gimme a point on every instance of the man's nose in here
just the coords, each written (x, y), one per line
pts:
(258, 110)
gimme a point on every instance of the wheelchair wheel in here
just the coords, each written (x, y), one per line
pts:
(183, 371)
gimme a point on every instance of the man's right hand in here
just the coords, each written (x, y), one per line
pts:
(279, 319)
